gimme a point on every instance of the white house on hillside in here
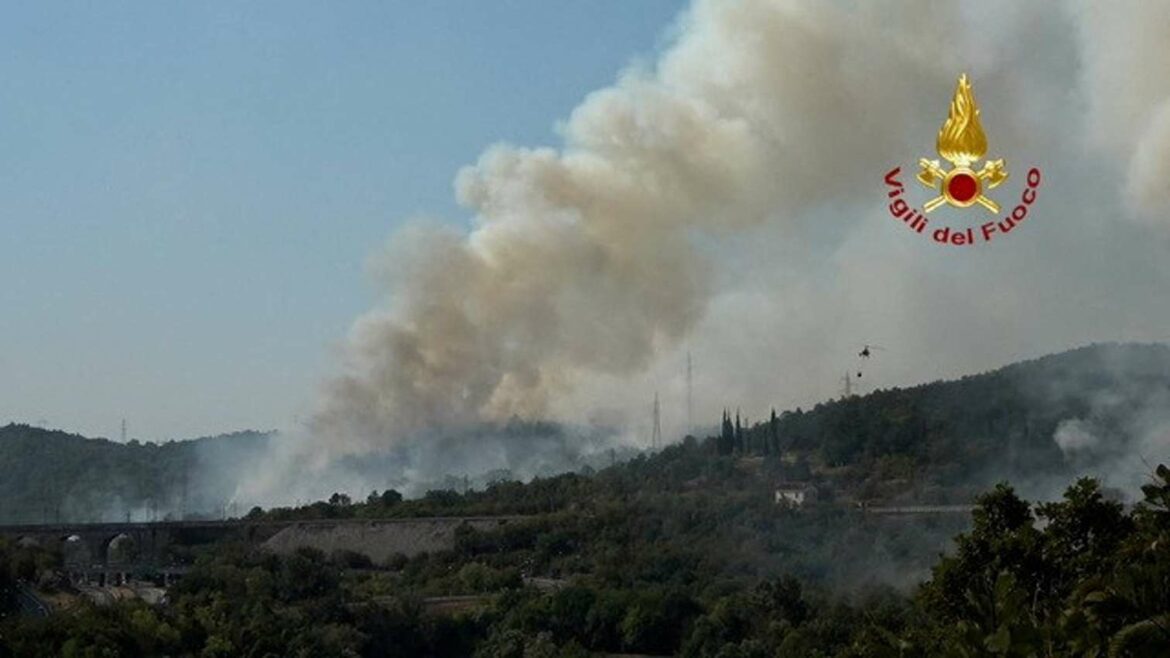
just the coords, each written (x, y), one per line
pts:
(795, 494)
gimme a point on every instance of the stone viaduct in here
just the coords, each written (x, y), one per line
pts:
(111, 553)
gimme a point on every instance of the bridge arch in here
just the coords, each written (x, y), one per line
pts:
(121, 549)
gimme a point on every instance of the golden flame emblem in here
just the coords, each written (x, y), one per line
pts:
(961, 141)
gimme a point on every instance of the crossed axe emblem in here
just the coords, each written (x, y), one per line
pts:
(961, 186)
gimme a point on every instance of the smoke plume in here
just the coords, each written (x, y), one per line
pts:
(585, 259)
(728, 199)
(1127, 79)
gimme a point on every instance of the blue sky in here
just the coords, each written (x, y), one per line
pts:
(189, 191)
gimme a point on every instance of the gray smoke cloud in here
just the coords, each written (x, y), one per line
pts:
(1119, 432)
(1075, 436)
(439, 459)
(1127, 80)
(1123, 457)
(587, 259)
(728, 200)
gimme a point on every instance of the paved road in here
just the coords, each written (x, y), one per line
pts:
(920, 509)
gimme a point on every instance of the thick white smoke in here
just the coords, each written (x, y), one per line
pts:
(729, 199)
(1123, 454)
(1075, 436)
(584, 259)
(1127, 82)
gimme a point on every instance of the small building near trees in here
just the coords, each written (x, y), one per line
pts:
(795, 494)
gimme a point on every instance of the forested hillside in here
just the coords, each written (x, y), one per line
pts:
(1097, 410)
(1108, 404)
(687, 552)
(48, 476)
(633, 573)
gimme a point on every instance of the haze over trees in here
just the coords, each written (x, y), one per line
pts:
(52, 476)
(1076, 577)
(1095, 410)
(686, 552)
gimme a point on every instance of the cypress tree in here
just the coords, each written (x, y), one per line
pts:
(774, 433)
(727, 438)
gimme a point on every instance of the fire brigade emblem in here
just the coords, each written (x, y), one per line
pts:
(962, 143)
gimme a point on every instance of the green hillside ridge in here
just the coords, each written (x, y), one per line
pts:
(936, 442)
(49, 475)
(685, 551)
(940, 442)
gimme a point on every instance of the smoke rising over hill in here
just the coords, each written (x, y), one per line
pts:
(1099, 411)
(727, 198)
(585, 259)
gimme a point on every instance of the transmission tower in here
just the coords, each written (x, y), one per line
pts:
(656, 436)
(690, 397)
(123, 430)
(847, 386)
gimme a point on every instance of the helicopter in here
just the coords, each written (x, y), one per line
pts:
(867, 351)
